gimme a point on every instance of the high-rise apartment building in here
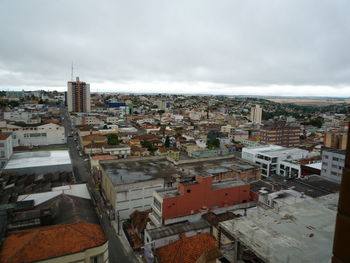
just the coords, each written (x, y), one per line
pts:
(78, 96)
(256, 114)
(335, 139)
(281, 133)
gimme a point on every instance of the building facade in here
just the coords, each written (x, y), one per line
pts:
(35, 134)
(78, 96)
(256, 114)
(5, 149)
(335, 139)
(193, 198)
(332, 164)
(276, 160)
(281, 133)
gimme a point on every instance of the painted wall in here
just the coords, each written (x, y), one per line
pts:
(196, 197)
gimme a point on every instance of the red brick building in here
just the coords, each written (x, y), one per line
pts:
(281, 133)
(197, 197)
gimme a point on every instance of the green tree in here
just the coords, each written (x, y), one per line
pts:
(148, 145)
(112, 139)
(213, 143)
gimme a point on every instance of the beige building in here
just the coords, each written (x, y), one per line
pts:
(256, 114)
(78, 96)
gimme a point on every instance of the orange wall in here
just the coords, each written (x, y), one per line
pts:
(202, 195)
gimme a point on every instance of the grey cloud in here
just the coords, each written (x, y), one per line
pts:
(233, 43)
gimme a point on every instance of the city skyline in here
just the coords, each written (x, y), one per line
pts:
(232, 48)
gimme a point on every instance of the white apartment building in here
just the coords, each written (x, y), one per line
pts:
(35, 135)
(5, 149)
(256, 114)
(275, 159)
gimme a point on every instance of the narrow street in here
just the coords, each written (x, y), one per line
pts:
(81, 169)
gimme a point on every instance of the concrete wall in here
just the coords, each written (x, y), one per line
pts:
(42, 169)
(332, 165)
(136, 196)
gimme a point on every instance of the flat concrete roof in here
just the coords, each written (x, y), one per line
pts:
(302, 232)
(214, 167)
(132, 170)
(37, 159)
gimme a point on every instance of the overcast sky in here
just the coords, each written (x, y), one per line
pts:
(274, 47)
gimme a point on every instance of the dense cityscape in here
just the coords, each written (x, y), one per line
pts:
(155, 131)
(107, 177)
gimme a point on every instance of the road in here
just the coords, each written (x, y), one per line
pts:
(81, 169)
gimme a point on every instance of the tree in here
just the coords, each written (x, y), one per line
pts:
(112, 139)
(167, 142)
(213, 143)
(148, 145)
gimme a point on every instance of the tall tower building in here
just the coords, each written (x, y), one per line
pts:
(78, 96)
(255, 114)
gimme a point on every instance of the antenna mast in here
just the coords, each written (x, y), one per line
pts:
(72, 77)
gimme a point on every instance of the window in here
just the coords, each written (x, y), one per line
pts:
(188, 191)
(97, 259)
(2, 154)
(157, 204)
(2, 145)
(335, 159)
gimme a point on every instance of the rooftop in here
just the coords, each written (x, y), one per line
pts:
(165, 231)
(79, 190)
(48, 242)
(216, 167)
(186, 249)
(4, 136)
(138, 170)
(302, 232)
(38, 158)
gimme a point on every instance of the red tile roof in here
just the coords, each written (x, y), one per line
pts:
(103, 157)
(4, 136)
(52, 241)
(186, 249)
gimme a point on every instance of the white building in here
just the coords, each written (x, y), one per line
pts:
(256, 114)
(78, 96)
(5, 149)
(22, 116)
(35, 135)
(275, 159)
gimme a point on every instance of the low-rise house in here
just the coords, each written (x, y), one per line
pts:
(121, 150)
(139, 151)
(173, 153)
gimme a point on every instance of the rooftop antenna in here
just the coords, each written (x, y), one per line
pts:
(72, 77)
